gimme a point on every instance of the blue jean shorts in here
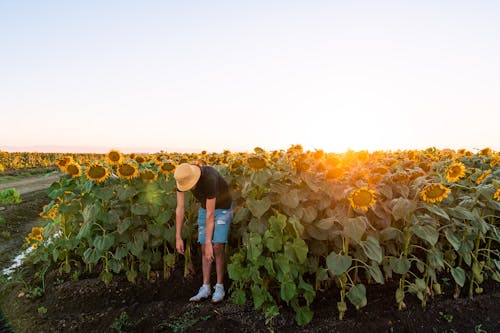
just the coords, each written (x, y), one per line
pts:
(222, 221)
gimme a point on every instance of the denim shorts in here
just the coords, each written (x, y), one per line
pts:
(222, 221)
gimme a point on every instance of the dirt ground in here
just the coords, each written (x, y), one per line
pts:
(87, 305)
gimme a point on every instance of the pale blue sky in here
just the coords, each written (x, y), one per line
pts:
(218, 75)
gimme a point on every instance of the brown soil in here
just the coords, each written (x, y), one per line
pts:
(87, 305)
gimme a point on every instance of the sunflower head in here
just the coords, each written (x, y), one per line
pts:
(114, 157)
(433, 193)
(74, 170)
(166, 167)
(97, 172)
(485, 152)
(257, 162)
(362, 198)
(496, 196)
(127, 170)
(63, 162)
(149, 175)
(455, 171)
(485, 174)
(140, 159)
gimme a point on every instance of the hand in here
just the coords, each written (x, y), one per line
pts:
(179, 245)
(209, 252)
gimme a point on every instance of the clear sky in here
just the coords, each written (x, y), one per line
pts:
(215, 75)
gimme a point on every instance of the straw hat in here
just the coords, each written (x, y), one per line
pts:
(186, 175)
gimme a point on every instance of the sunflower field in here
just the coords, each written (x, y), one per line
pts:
(304, 221)
(25, 160)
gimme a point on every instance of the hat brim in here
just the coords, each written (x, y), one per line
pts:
(186, 186)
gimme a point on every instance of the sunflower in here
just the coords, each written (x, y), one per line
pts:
(382, 170)
(127, 170)
(36, 231)
(362, 198)
(114, 157)
(159, 159)
(140, 159)
(400, 177)
(496, 196)
(434, 193)
(166, 167)
(149, 175)
(455, 171)
(97, 172)
(485, 152)
(73, 169)
(34, 246)
(63, 162)
(483, 176)
(257, 163)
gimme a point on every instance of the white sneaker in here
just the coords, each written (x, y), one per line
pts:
(202, 294)
(218, 294)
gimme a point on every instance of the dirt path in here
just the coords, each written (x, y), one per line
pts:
(31, 184)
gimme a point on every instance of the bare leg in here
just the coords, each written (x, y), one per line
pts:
(219, 261)
(206, 266)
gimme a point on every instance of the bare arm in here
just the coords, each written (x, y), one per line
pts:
(179, 218)
(209, 231)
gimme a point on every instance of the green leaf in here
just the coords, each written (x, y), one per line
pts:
(357, 296)
(259, 295)
(300, 249)
(452, 239)
(435, 257)
(402, 208)
(259, 207)
(354, 228)
(375, 272)
(241, 215)
(460, 213)
(288, 290)
(310, 214)
(390, 233)
(338, 264)
(238, 297)
(277, 224)
(124, 225)
(273, 243)
(458, 275)
(372, 249)
(131, 275)
(156, 230)
(254, 247)
(303, 315)
(115, 265)
(325, 224)
(139, 209)
(89, 214)
(436, 210)
(316, 233)
(106, 277)
(400, 295)
(136, 247)
(103, 243)
(127, 193)
(400, 265)
(104, 193)
(261, 178)
(290, 199)
(426, 233)
(120, 253)
(91, 256)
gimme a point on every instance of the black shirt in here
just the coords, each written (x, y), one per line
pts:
(212, 185)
